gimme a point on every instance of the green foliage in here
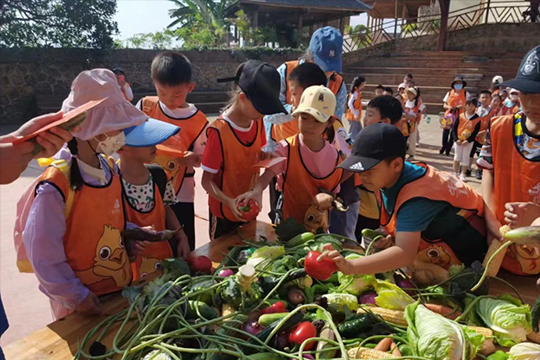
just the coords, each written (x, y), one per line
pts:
(58, 23)
(360, 35)
(254, 36)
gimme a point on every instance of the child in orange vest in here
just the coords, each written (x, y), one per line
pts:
(511, 162)
(464, 133)
(310, 164)
(433, 217)
(485, 113)
(412, 109)
(72, 234)
(354, 106)
(453, 103)
(148, 192)
(511, 104)
(182, 153)
(235, 142)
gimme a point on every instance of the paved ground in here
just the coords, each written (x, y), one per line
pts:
(28, 309)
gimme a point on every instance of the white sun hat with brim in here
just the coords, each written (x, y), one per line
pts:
(115, 113)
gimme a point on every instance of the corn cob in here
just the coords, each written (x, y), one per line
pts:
(534, 337)
(366, 353)
(426, 273)
(391, 316)
(488, 347)
(495, 264)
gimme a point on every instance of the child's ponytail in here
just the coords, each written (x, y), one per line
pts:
(357, 81)
(417, 96)
(330, 133)
(235, 91)
(75, 178)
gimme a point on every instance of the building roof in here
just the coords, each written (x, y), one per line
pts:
(336, 5)
(386, 9)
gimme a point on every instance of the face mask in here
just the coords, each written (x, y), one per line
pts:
(111, 144)
(458, 86)
(514, 98)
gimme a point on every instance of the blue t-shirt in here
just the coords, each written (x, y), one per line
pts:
(415, 214)
(3, 325)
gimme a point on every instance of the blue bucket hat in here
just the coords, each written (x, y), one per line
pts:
(150, 133)
(327, 47)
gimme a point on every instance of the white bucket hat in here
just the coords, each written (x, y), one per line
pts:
(115, 113)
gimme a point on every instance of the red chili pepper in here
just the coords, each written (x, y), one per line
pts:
(320, 270)
(301, 333)
(276, 308)
(250, 210)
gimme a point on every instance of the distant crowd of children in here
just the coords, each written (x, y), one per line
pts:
(318, 173)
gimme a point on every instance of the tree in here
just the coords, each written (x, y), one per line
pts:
(190, 12)
(58, 23)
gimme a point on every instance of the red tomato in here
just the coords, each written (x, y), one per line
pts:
(200, 264)
(276, 308)
(320, 270)
(250, 210)
(301, 333)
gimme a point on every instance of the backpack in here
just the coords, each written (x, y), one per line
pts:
(23, 209)
(159, 177)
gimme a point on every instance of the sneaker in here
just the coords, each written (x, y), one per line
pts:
(463, 177)
(479, 174)
(468, 173)
(447, 153)
(441, 151)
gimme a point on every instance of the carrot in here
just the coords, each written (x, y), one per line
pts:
(395, 350)
(444, 311)
(384, 344)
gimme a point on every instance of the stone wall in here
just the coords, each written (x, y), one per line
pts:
(27, 74)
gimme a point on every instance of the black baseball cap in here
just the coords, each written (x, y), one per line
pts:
(374, 144)
(118, 71)
(261, 83)
(527, 79)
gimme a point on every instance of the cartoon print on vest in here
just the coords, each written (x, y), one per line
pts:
(435, 254)
(316, 219)
(168, 163)
(534, 193)
(111, 260)
(524, 258)
(149, 265)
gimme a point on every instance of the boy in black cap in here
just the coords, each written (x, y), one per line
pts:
(434, 217)
(511, 160)
(235, 141)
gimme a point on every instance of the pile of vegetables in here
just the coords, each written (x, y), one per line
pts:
(272, 301)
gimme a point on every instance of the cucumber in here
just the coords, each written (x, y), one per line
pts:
(535, 313)
(205, 310)
(293, 320)
(267, 319)
(529, 235)
(370, 234)
(300, 239)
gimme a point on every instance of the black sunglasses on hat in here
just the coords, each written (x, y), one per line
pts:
(527, 79)
(374, 144)
(261, 84)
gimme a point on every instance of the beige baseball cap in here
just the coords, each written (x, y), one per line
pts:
(317, 101)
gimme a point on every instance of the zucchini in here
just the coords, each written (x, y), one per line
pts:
(535, 312)
(529, 235)
(194, 308)
(300, 239)
(293, 320)
(267, 319)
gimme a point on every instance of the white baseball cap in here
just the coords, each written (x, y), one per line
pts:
(497, 79)
(317, 101)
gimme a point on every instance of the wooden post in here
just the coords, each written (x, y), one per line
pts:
(300, 22)
(443, 31)
(395, 18)
(488, 6)
(255, 20)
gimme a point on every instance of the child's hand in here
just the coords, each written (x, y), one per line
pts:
(190, 159)
(323, 201)
(384, 243)
(231, 203)
(250, 195)
(89, 306)
(520, 214)
(140, 248)
(342, 264)
(183, 244)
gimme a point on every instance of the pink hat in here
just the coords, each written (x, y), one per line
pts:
(115, 113)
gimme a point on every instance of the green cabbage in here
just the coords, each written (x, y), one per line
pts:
(389, 296)
(352, 284)
(266, 254)
(509, 319)
(435, 337)
(338, 302)
(525, 351)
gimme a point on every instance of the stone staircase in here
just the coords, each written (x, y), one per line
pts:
(433, 72)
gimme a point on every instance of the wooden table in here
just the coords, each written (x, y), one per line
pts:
(59, 340)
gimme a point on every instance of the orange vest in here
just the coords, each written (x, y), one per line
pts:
(484, 125)
(92, 242)
(455, 100)
(357, 104)
(466, 127)
(510, 110)
(284, 131)
(334, 81)
(516, 179)
(409, 126)
(191, 129)
(296, 176)
(237, 173)
(155, 252)
(290, 66)
(437, 186)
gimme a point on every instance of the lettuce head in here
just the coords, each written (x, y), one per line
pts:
(435, 337)
(353, 284)
(509, 319)
(389, 296)
(525, 351)
(266, 254)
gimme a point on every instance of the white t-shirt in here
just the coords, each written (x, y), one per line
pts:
(410, 105)
(187, 191)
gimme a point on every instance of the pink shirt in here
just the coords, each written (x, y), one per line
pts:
(319, 164)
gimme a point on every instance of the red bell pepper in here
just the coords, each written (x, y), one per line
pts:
(276, 308)
(301, 333)
(250, 210)
(320, 270)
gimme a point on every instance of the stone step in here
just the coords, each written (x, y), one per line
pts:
(420, 80)
(410, 70)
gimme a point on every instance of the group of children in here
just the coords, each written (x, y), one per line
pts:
(77, 210)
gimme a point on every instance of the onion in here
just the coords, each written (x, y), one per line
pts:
(405, 284)
(368, 298)
(296, 296)
(252, 327)
(225, 273)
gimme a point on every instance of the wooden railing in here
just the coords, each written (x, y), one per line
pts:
(489, 12)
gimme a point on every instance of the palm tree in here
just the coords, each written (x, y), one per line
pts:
(190, 12)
